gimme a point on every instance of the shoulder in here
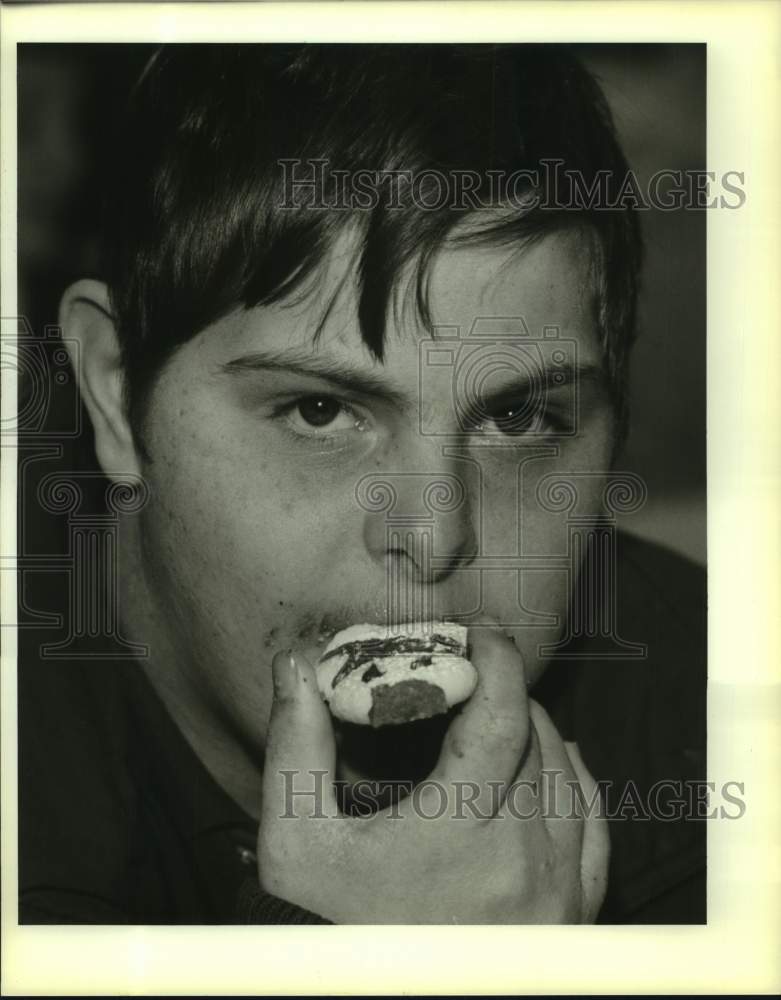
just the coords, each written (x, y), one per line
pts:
(78, 800)
(637, 630)
(119, 821)
(633, 696)
(662, 586)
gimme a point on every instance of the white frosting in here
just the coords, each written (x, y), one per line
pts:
(351, 699)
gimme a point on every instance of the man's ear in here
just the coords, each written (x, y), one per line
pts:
(91, 338)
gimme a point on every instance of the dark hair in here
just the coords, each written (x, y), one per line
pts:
(196, 226)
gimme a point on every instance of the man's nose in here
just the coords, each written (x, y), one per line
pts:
(422, 521)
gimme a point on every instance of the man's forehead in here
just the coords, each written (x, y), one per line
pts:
(541, 286)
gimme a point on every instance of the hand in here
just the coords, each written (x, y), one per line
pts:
(481, 860)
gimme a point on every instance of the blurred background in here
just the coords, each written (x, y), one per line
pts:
(69, 95)
(658, 97)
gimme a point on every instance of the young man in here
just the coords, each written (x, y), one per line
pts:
(335, 274)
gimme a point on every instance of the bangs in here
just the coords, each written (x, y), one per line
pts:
(204, 220)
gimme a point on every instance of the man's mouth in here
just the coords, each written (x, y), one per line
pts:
(321, 632)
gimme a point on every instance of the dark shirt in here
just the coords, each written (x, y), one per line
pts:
(119, 822)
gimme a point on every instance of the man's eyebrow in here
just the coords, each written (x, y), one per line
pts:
(360, 380)
(338, 373)
(556, 376)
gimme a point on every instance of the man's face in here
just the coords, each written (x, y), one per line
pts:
(293, 478)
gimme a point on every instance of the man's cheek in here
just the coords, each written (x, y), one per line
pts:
(254, 578)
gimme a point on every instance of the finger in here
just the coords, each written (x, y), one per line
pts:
(595, 850)
(486, 741)
(299, 767)
(541, 788)
(563, 822)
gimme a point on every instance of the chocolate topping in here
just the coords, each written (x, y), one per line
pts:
(372, 672)
(407, 701)
(368, 650)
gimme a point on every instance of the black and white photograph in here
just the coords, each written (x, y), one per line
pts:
(362, 482)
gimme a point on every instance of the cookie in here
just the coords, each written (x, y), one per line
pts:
(377, 676)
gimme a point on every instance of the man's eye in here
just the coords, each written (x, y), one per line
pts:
(313, 413)
(318, 411)
(524, 416)
(514, 419)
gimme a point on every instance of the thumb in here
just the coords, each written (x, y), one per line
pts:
(595, 849)
(300, 761)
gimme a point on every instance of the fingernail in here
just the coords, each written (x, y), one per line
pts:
(284, 670)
